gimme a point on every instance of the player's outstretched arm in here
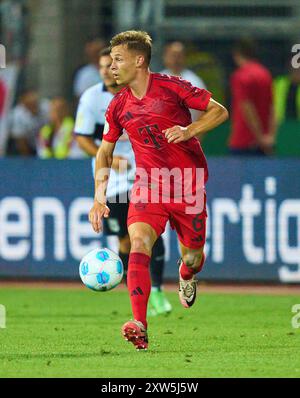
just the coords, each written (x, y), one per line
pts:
(104, 160)
(87, 144)
(214, 115)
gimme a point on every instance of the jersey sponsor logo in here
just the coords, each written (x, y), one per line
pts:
(151, 135)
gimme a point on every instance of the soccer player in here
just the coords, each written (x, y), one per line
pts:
(89, 126)
(154, 110)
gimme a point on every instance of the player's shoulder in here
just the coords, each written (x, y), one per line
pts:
(171, 81)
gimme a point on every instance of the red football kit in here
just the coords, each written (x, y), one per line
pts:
(165, 104)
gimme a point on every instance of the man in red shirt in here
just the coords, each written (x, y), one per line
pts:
(253, 120)
(154, 110)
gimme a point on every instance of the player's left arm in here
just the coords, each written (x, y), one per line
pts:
(214, 115)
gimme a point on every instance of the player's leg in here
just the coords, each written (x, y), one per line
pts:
(146, 221)
(142, 239)
(191, 262)
(159, 304)
(191, 231)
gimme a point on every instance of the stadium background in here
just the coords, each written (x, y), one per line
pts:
(43, 206)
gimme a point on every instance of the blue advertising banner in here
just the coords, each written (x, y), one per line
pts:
(253, 225)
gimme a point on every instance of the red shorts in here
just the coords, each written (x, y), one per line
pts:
(190, 228)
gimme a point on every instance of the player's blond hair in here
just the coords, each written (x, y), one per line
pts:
(135, 40)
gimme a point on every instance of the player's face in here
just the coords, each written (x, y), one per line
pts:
(105, 72)
(124, 65)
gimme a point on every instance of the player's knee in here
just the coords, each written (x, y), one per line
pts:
(124, 244)
(140, 244)
(192, 260)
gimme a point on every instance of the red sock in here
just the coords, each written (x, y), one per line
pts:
(188, 272)
(139, 285)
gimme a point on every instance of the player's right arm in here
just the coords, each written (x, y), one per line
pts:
(85, 124)
(87, 144)
(104, 160)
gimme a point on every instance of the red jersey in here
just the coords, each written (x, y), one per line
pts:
(165, 104)
(251, 82)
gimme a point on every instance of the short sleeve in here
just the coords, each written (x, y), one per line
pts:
(193, 97)
(112, 129)
(85, 120)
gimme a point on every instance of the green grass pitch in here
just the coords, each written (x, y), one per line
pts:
(76, 333)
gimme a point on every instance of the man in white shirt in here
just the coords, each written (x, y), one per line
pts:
(88, 75)
(89, 126)
(174, 59)
(27, 118)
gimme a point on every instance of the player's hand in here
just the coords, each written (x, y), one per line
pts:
(266, 143)
(177, 134)
(97, 212)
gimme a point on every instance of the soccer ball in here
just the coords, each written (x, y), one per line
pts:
(101, 270)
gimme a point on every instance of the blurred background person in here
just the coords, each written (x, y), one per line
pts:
(56, 138)
(174, 59)
(286, 90)
(88, 75)
(253, 120)
(27, 118)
